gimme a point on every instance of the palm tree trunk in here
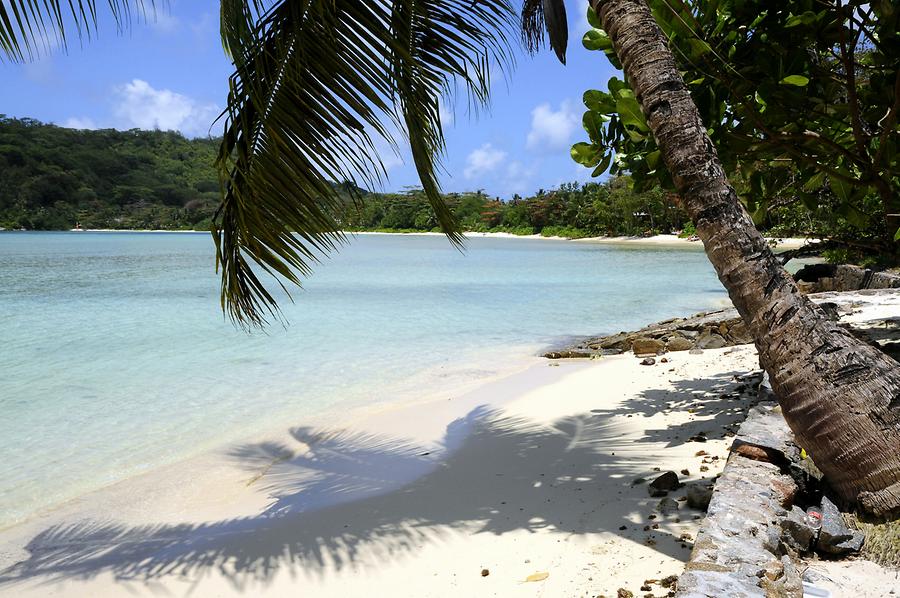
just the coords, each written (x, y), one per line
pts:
(841, 397)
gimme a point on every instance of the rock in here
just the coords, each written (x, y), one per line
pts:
(698, 496)
(834, 531)
(648, 361)
(782, 579)
(485, 572)
(667, 506)
(739, 334)
(679, 343)
(623, 593)
(750, 451)
(711, 340)
(785, 490)
(663, 484)
(696, 351)
(796, 530)
(567, 355)
(854, 544)
(647, 346)
(685, 472)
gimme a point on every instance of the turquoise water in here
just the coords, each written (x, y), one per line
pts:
(116, 357)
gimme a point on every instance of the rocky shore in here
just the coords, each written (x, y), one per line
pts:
(724, 328)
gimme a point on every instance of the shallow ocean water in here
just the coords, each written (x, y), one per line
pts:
(116, 357)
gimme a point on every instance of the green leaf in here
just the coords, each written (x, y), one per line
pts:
(814, 182)
(841, 188)
(593, 124)
(614, 85)
(592, 18)
(604, 164)
(630, 112)
(796, 80)
(897, 235)
(596, 39)
(698, 48)
(853, 215)
(653, 159)
(586, 154)
(599, 101)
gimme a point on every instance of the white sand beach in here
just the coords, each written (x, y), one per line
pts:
(469, 495)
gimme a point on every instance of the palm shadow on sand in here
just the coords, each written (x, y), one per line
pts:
(344, 499)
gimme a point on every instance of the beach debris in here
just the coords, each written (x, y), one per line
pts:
(798, 529)
(698, 438)
(699, 495)
(685, 472)
(540, 576)
(485, 572)
(623, 593)
(700, 454)
(663, 484)
(648, 361)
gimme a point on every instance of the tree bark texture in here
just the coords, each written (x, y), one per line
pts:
(840, 396)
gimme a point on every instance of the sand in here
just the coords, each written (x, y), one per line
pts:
(530, 474)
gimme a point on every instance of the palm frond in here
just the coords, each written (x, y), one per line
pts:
(545, 16)
(28, 27)
(314, 81)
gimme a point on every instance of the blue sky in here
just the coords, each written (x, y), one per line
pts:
(172, 74)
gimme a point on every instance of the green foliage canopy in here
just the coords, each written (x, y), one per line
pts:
(801, 99)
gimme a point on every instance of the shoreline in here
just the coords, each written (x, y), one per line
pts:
(451, 463)
(654, 240)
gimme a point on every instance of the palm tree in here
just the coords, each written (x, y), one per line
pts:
(315, 79)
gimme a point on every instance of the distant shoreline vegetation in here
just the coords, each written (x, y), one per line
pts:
(53, 178)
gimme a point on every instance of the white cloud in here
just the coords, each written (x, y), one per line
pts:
(482, 160)
(164, 22)
(448, 114)
(552, 129)
(144, 107)
(77, 122)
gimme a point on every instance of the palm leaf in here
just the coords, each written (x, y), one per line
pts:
(28, 27)
(545, 16)
(314, 81)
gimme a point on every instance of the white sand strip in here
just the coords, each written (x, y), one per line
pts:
(528, 475)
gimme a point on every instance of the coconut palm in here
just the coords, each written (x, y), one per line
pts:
(315, 80)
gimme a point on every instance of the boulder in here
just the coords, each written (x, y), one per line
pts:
(711, 340)
(739, 334)
(644, 347)
(679, 343)
(663, 484)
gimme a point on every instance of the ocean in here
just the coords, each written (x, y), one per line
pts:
(116, 358)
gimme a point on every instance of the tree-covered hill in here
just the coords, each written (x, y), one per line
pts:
(53, 178)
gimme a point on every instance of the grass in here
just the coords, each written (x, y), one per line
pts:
(882, 543)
